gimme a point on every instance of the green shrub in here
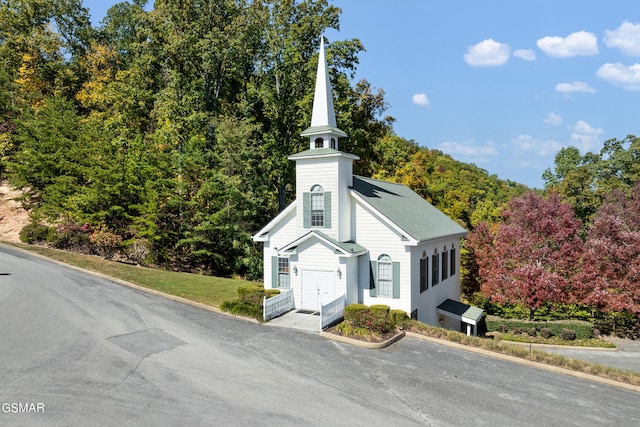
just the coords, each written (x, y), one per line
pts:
(583, 330)
(352, 312)
(532, 332)
(351, 331)
(251, 293)
(361, 316)
(568, 334)
(248, 303)
(243, 308)
(271, 292)
(37, 233)
(546, 333)
(380, 309)
(398, 317)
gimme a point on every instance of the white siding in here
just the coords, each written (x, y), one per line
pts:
(334, 174)
(315, 255)
(426, 302)
(379, 239)
(280, 235)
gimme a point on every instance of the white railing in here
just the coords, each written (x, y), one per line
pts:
(331, 312)
(277, 305)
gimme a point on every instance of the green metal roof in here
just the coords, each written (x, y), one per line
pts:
(350, 247)
(313, 152)
(467, 313)
(317, 130)
(405, 208)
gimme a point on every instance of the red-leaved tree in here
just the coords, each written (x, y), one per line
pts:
(531, 258)
(611, 263)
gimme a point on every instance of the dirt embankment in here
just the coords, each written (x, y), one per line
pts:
(12, 216)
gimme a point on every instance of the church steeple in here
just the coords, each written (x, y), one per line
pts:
(323, 132)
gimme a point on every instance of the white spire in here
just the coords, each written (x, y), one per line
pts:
(323, 114)
(323, 132)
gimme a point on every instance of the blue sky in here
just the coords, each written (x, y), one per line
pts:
(503, 84)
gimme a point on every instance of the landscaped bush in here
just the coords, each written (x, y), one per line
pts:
(353, 312)
(37, 233)
(380, 309)
(532, 332)
(243, 308)
(361, 316)
(398, 317)
(546, 333)
(568, 334)
(248, 303)
(583, 330)
(251, 293)
(268, 293)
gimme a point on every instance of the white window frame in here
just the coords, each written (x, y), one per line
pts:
(316, 208)
(385, 276)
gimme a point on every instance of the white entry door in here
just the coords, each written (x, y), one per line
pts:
(317, 287)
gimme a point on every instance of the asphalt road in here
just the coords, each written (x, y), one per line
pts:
(91, 352)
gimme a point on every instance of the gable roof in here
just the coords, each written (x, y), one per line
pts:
(416, 217)
(263, 234)
(322, 152)
(347, 249)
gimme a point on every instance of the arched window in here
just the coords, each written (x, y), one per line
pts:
(435, 268)
(333, 143)
(317, 206)
(319, 143)
(385, 276)
(445, 264)
(424, 268)
(452, 261)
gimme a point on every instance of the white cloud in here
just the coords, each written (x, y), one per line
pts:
(541, 148)
(584, 137)
(421, 99)
(487, 53)
(581, 43)
(477, 154)
(575, 86)
(625, 38)
(620, 75)
(553, 119)
(526, 54)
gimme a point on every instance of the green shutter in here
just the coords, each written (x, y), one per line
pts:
(327, 209)
(396, 280)
(373, 288)
(274, 271)
(306, 210)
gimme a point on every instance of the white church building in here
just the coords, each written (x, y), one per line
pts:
(375, 242)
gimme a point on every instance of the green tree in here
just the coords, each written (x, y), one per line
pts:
(50, 163)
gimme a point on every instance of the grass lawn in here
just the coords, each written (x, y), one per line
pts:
(208, 290)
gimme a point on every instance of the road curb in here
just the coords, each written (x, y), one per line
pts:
(360, 343)
(526, 362)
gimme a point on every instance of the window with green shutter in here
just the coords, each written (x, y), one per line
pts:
(316, 206)
(435, 269)
(385, 278)
(280, 277)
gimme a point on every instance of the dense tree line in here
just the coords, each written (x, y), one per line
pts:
(162, 136)
(574, 250)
